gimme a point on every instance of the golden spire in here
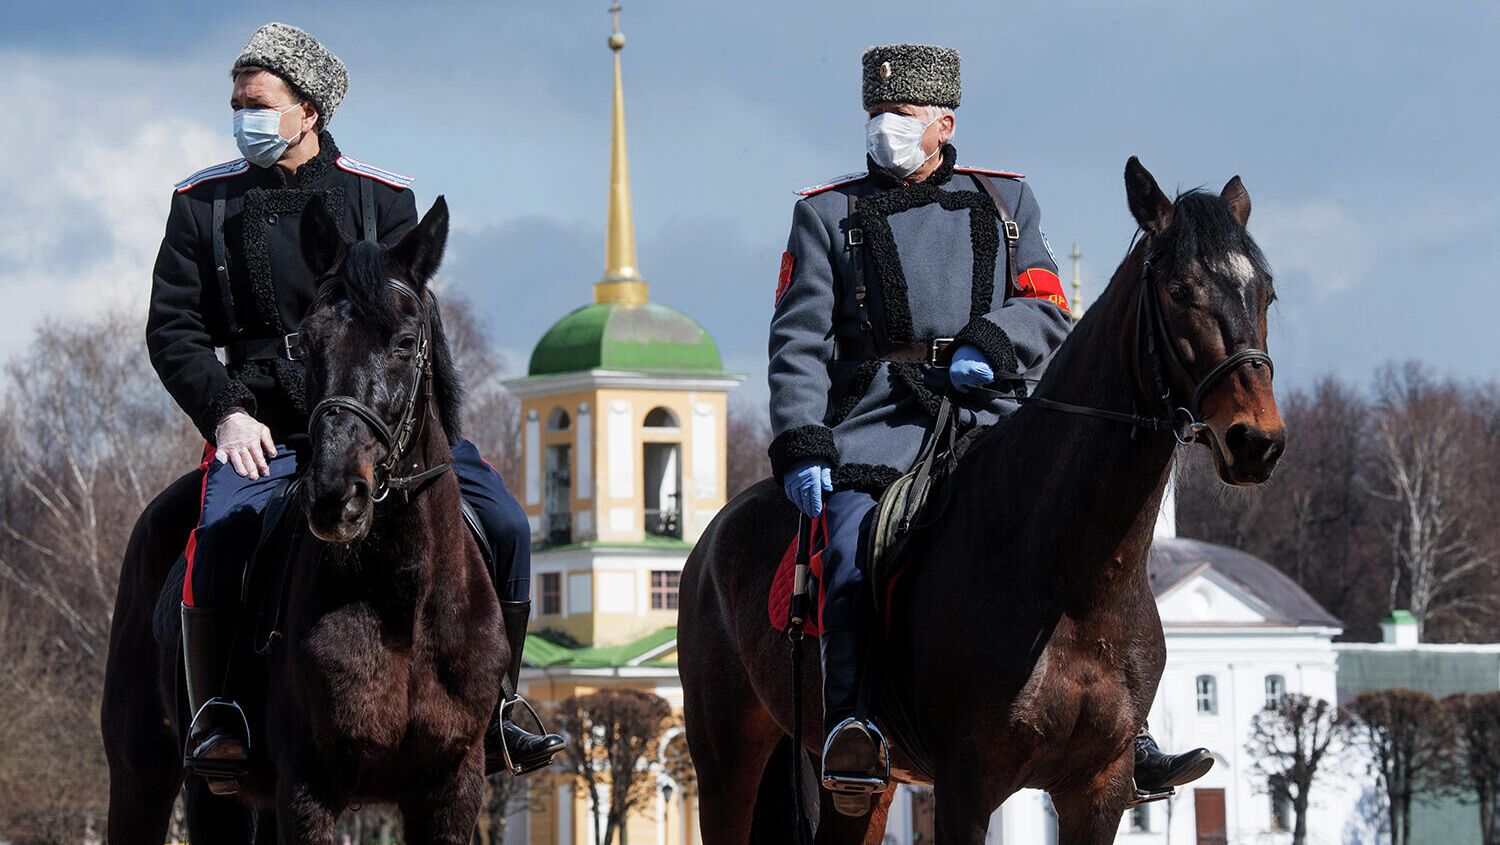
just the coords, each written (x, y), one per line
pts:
(622, 278)
(1077, 283)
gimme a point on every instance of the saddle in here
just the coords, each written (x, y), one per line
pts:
(908, 505)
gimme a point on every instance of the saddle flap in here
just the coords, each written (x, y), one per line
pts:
(779, 601)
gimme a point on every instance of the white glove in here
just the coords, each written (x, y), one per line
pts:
(241, 440)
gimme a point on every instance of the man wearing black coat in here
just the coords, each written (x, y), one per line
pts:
(230, 276)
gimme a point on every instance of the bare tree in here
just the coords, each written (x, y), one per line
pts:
(492, 416)
(504, 796)
(1475, 767)
(1288, 743)
(749, 437)
(1409, 739)
(612, 753)
(1425, 432)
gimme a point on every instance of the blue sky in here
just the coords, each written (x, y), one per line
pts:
(1364, 132)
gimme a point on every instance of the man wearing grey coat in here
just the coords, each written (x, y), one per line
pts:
(912, 279)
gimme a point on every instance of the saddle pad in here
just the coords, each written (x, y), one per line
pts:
(780, 599)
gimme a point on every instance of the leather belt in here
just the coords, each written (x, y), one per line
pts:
(932, 352)
(285, 348)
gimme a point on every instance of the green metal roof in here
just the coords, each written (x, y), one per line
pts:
(545, 653)
(617, 336)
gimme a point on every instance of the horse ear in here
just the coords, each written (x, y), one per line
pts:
(323, 245)
(420, 251)
(1150, 207)
(1238, 199)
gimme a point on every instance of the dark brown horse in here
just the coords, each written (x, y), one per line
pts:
(386, 671)
(1025, 648)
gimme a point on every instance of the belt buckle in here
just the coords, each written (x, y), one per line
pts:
(1012, 231)
(292, 345)
(936, 347)
(854, 238)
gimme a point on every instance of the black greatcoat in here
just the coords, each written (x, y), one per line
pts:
(270, 287)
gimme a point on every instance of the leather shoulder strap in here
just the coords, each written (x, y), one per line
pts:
(221, 258)
(1008, 229)
(367, 209)
(854, 238)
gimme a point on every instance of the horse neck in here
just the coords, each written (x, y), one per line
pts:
(1099, 475)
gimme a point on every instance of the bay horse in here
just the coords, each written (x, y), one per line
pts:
(1025, 647)
(387, 665)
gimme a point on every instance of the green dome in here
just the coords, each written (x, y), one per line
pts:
(618, 336)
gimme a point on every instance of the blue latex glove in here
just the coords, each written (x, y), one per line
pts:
(805, 485)
(969, 368)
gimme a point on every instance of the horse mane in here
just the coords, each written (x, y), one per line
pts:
(1202, 226)
(367, 267)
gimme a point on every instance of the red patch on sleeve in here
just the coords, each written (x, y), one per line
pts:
(1038, 283)
(784, 281)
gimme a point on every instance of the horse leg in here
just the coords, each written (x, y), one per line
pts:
(304, 816)
(145, 764)
(442, 811)
(730, 739)
(835, 828)
(1090, 815)
(215, 818)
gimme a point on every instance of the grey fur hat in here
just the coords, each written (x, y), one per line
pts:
(300, 60)
(921, 74)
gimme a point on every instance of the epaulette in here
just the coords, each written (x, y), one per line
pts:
(988, 172)
(836, 181)
(208, 174)
(354, 165)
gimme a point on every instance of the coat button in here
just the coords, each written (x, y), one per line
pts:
(271, 219)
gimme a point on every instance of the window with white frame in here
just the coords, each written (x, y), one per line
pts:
(1208, 695)
(550, 588)
(1275, 689)
(1281, 813)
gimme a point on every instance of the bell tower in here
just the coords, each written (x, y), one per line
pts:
(624, 413)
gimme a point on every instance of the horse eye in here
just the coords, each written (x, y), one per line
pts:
(406, 346)
(1180, 294)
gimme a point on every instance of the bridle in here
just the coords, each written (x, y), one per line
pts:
(1184, 419)
(397, 443)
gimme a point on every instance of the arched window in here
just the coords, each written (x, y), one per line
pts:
(1208, 695)
(661, 418)
(558, 420)
(1275, 689)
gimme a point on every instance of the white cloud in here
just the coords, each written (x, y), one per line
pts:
(93, 148)
(1314, 242)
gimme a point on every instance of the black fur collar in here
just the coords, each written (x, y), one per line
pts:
(885, 179)
(311, 170)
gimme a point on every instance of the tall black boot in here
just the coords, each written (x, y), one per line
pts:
(526, 751)
(218, 740)
(856, 762)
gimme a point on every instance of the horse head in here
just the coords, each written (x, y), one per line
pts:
(1201, 331)
(378, 369)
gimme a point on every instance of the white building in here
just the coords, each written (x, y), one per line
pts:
(1238, 632)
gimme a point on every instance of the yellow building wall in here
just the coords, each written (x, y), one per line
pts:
(616, 506)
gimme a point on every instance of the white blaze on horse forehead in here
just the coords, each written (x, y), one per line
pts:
(1237, 266)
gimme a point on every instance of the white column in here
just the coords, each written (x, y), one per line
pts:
(583, 485)
(705, 454)
(1166, 518)
(533, 458)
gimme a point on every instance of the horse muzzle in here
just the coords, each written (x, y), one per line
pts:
(1246, 454)
(340, 511)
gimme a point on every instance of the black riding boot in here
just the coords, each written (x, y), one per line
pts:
(1156, 771)
(855, 759)
(218, 740)
(527, 751)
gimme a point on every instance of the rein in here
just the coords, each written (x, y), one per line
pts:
(397, 443)
(1151, 330)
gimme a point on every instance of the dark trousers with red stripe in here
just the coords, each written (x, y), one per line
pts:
(230, 521)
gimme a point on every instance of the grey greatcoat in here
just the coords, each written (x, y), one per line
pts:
(934, 267)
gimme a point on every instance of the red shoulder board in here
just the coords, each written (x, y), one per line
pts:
(835, 182)
(1006, 174)
(208, 174)
(354, 165)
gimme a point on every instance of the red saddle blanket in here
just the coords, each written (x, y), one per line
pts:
(780, 599)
